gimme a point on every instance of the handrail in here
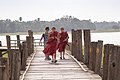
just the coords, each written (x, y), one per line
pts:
(2, 66)
(4, 52)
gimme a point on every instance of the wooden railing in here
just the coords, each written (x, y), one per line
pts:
(102, 59)
(38, 43)
(18, 51)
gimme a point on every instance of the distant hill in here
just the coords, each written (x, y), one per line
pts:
(68, 22)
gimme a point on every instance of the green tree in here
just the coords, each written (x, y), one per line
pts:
(20, 18)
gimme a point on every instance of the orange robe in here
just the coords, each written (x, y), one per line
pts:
(51, 46)
(62, 44)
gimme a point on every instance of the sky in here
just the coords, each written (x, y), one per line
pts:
(96, 10)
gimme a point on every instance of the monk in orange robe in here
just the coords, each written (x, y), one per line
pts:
(51, 46)
(63, 41)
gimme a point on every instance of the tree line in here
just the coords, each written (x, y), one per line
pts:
(68, 22)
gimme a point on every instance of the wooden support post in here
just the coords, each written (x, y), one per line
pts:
(24, 56)
(108, 49)
(87, 40)
(18, 40)
(98, 57)
(79, 42)
(75, 45)
(8, 41)
(32, 44)
(9, 54)
(25, 49)
(29, 45)
(112, 64)
(117, 64)
(0, 51)
(1, 72)
(73, 41)
(4, 69)
(15, 65)
(92, 56)
(0, 43)
(30, 33)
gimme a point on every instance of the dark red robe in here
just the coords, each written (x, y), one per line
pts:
(51, 46)
(62, 44)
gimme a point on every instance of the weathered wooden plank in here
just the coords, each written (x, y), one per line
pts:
(67, 69)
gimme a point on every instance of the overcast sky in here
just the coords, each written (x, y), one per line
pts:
(96, 10)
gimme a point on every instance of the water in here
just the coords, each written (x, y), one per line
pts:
(108, 37)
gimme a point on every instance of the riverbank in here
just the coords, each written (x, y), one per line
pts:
(19, 33)
(104, 31)
(93, 31)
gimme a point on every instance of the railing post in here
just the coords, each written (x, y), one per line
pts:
(79, 44)
(92, 56)
(117, 65)
(98, 57)
(87, 40)
(15, 65)
(0, 51)
(108, 50)
(29, 45)
(8, 42)
(75, 45)
(112, 64)
(73, 42)
(9, 54)
(18, 40)
(1, 72)
(4, 69)
(24, 56)
(30, 33)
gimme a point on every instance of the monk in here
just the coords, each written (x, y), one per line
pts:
(63, 41)
(51, 46)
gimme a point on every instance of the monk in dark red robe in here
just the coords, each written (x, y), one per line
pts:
(63, 41)
(51, 46)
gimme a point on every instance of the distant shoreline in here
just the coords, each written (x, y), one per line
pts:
(104, 31)
(20, 33)
(26, 33)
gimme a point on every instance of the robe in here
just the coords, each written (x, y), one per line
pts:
(51, 46)
(62, 44)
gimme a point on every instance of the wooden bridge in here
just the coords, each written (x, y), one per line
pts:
(26, 60)
(67, 69)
